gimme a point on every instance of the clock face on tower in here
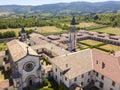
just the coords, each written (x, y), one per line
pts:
(29, 66)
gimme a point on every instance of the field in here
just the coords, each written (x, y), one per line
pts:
(45, 29)
(87, 24)
(3, 46)
(109, 30)
(1, 76)
(111, 47)
(91, 42)
(10, 29)
(49, 29)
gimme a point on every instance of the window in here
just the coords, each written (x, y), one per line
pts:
(49, 74)
(111, 89)
(93, 71)
(88, 73)
(60, 74)
(97, 74)
(101, 85)
(60, 81)
(7, 67)
(102, 77)
(75, 79)
(56, 77)
(88, 80)
(5, 58)
(82, 76)
(96, 61)
(65, 78)
(113, 83)
(29, 66)
(81, 83)
(103, 65)
(56, 69)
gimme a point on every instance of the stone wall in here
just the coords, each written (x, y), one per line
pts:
(8, 39)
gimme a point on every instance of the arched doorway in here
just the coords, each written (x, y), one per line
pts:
(30, 80)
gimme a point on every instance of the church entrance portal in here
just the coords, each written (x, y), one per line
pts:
(30, 82)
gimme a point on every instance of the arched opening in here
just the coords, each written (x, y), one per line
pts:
(30, 82)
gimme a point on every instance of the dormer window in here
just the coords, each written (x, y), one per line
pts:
(113, 83)
(75, 79)
(103, 65)
(96, 61)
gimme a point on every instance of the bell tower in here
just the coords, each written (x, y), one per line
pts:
(23, 34)
(72, 36)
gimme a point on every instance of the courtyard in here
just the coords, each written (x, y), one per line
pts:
(84, 44)
(91, 42)
(111, 47)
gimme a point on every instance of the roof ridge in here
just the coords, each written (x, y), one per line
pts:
(92, 59)
(118, 63)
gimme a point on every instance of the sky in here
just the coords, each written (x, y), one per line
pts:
(41, 2)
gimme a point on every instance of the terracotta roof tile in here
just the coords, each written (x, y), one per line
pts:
(18, 50)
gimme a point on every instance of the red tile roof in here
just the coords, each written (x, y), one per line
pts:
(4, 84)
(112, 66)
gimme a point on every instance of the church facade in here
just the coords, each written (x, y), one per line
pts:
(25, 65)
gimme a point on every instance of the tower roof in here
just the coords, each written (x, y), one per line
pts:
(73, 21)
(22, 30)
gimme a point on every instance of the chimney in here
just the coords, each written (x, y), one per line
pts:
(66, 65)
(96, 61)
(103, 65)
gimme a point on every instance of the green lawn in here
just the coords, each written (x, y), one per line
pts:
(87, 24)
(46, 89)
(44, 30)
(91, 42)
(109, 30)
(96, 44)
(48, 29)
(111, 47)
(3, 46)
(81, 46)
(1, 76)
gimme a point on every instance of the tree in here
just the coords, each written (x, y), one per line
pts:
(9, 34)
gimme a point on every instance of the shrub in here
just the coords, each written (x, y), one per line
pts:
(47, 83)
(46, 89)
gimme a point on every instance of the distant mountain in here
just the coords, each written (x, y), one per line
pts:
(63, 8)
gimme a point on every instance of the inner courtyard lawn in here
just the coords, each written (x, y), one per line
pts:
(109, 30)
(91, 42)
(81, 46)
(111, 47)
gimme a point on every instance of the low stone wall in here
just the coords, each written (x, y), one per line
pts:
(7, 39)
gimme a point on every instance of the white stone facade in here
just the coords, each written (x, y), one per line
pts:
(34, 74)
(84, 79)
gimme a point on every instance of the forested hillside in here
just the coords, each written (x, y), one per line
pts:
(63, 8)
(59, 21)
